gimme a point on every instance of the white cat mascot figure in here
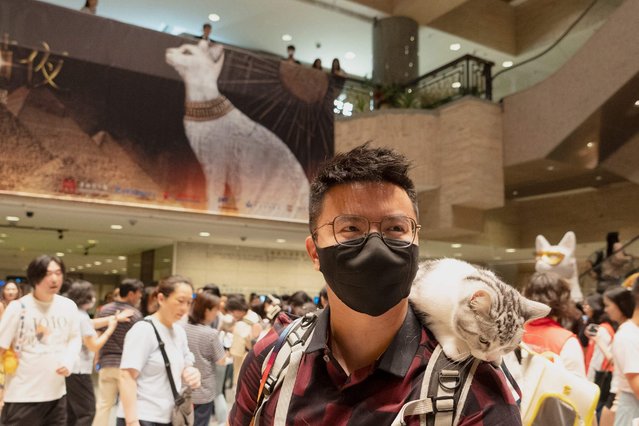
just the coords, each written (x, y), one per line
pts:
(561, 260)
(248, 169)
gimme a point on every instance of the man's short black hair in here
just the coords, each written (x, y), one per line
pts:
(361, 164)
(37, 269)
(290, 47)
(213, 289)
(207, 25)
(130, 285)
(236, 304)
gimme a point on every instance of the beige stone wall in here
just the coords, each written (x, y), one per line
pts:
(537, 120)
(456, 151)
(248, 269)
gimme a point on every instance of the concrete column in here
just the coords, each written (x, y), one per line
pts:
(395, 50)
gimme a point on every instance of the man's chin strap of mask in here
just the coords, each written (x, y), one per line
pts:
(370, 278)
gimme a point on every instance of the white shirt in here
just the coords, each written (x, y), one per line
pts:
(48, 338)
(572, 357)
(604, 338)
(142, 353)
(625, 350)
(84, 362)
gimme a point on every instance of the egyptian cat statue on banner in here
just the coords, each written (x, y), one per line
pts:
(561, 260)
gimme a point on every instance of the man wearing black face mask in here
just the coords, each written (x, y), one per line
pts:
(368, 352)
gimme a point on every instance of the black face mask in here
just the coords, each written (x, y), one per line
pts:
(371, 278)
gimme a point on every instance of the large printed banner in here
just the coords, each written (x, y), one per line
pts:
(207, 127)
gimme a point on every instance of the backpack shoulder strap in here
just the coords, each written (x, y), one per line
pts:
(445, 387)
(286, 354)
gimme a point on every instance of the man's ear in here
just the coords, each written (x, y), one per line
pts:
(312, 252)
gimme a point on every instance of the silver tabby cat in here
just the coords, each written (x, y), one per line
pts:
(470, 311)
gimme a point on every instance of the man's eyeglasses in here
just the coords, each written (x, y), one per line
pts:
(352, 231)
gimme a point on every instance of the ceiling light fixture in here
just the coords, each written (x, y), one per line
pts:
(92, 241)
(72, 270)
(598, 177)
(280, 240)
(108, 260)
(507, 64)
(590, 144)
(116, 227)
(80, 268)
(97, 263)
(3, 235)
(511, 250)
(456, 245)
(550, 168)
(59, 254)
(205, 234)
(637, 103)
(287, 37)
(455, 47)
(115, 271)
(214, 17)
(13, 218)
(349, 55)
(456, 85)
(121, 257)
(458, 255)
(88, 265)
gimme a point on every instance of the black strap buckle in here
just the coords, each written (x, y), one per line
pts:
(179, 400)
(450, 379)
(447, 404)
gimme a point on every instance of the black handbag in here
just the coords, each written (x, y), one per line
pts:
(182, 412)
(603, 380)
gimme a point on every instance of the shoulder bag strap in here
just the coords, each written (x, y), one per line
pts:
(18, 343)
(167, 364)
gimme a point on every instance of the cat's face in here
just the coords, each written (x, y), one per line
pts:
(559, 258)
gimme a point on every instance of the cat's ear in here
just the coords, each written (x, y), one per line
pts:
(531, 310)
(541, 243)
(569, 241)
(480, 302)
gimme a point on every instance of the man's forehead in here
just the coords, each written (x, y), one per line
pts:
(355, 196)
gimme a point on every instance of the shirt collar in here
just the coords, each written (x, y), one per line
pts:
(398, 356)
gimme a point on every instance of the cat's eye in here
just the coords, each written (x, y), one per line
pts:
(483, 341)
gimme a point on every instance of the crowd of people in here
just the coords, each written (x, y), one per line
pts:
(206, 336)
(597, 339)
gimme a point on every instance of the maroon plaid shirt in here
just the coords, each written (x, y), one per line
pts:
(374, 395)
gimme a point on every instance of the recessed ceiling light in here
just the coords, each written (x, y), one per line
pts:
(108, 260)
(455, 47)
(456, 85)
(123, 269)
(637, 103)
(280, 240)
(59, 254)
(205, 234)
(166, 260)
(88, 265)
(349, 55)
(497, 257)
(511, 250)
(214, 17)
(92, 241)
(456, 245)
(80, 268)
(97, 263)
(115, 271)
(590, 144)
(13, 218)
(515, 192)
(121, 257)
(458, 255)
(507, 64)
(72, 270)
(287, 37)
(550, 168)
(598, 177)
(1, 241)
(3, 235)
(116, 226)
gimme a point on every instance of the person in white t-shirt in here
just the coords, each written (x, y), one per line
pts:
(80, 395)
(43, 329)
(625, 350)
(146, 398)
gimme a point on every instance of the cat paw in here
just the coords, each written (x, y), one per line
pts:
(454, 352)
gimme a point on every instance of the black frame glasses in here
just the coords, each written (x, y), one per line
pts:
(396, 231)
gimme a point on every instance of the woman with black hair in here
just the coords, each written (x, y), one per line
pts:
(80, 396)
(205, 344)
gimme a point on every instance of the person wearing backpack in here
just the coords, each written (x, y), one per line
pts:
(363, 359)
